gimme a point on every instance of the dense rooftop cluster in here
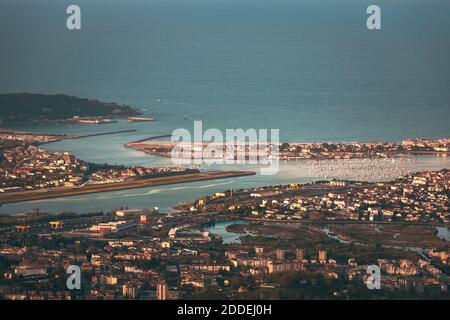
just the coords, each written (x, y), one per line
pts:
(362, 150)
(143, 254)
(148, 260)
(416, 197)
(25, 166)
(29, 167)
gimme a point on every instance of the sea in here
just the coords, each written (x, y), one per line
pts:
(310, 68)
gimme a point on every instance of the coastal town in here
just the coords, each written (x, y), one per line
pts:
(295, 241)
(28, 172)
(25, 166)
(205, 159)
(294, 150)
(289, 245)
(415, 197)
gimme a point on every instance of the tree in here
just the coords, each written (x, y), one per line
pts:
(285, 147)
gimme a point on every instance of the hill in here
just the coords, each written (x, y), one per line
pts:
(23, 107)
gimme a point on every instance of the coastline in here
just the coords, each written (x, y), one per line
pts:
(57, 108)
(141, 183)
(164, 149)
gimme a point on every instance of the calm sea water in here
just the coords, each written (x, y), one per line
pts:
(308, 67)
